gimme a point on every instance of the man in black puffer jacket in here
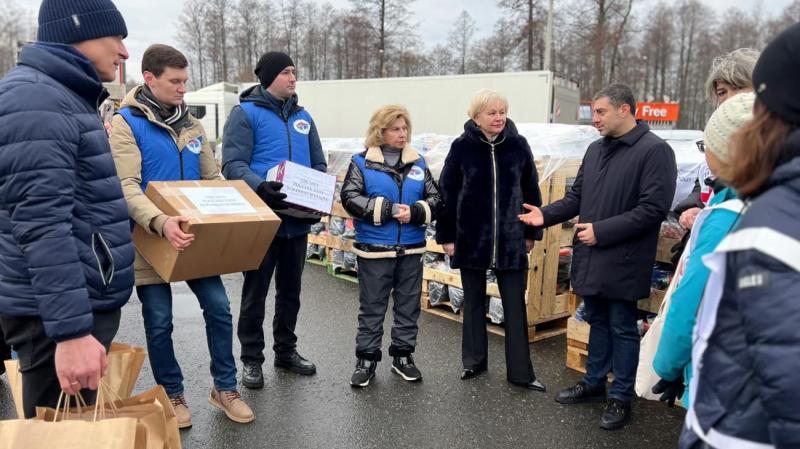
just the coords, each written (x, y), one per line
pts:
(66, 264)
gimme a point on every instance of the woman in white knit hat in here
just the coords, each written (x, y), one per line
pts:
(672, 360)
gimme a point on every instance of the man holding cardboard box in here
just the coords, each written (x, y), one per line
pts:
(154, 138)
(268, 128)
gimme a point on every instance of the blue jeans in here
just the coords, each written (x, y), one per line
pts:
(157, 312)
(613, 345)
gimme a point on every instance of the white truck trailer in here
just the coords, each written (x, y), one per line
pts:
(437, 104)
(212, 105)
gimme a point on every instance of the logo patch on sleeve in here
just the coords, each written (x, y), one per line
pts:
(755, 280)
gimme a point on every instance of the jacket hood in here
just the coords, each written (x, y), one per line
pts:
(67, 66)
(787, 170)
(261, 97)
(473, 133)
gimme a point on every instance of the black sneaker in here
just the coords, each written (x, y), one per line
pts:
(581, 393)
(365, 371)
(405, 368)
(252, 377)
(616, 415)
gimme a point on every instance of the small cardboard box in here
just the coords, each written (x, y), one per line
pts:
(309, 191)
(232, 229)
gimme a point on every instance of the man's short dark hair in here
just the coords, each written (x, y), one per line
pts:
(158, 57)
(618, 94)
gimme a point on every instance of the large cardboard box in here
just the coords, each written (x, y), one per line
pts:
(232, 229)
(310, 192)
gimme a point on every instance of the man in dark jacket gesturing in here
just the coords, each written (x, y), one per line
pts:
(622, 193)
(268, 128)
(67, 259)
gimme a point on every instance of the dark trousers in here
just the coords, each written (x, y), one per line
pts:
(613, 345)
(5, 350)
(36, 353)
(474, 342)
(377, 278)
(285, 258)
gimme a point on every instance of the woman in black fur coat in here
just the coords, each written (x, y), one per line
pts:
(487, 176)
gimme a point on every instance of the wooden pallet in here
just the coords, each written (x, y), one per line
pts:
(536, 332)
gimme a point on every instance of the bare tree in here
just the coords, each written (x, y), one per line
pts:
(391, 25)
(192, 35)
(460, 38)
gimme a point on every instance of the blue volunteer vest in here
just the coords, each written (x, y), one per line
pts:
(161, 158)
(270, 137)
(378, 183)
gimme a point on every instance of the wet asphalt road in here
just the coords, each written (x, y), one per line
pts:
(442, 411)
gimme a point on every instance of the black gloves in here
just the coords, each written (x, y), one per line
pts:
(269, 191)
(417, 214)
(669, 390)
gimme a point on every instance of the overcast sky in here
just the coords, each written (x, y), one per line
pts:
(154, 21)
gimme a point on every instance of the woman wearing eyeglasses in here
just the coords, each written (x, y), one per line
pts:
(672, 360)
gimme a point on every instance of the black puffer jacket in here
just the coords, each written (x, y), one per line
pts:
(483, 187)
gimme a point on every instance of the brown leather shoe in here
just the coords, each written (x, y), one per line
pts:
(232, 404)
(182, 413)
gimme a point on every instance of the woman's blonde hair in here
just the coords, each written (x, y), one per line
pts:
(483, 98)
(381, 119)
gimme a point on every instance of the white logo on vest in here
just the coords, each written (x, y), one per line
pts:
(416, 173)
(195, 145)
(302, 126)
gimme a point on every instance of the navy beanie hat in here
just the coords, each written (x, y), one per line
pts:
(774, 75)
(270, 65)
(70, 21)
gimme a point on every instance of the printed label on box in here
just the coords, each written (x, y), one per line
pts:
(217, 200)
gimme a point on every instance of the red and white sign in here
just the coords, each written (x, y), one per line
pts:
(657, 112)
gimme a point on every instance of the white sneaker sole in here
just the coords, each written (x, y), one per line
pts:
(406, 378)
(363, 384)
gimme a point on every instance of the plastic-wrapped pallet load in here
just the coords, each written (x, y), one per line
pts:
(311, 250)
(432, 260)
(456, 297)
(337, 258)
(350, 262)
(430, 231)
(317, 228)
(437, 293)
(337, 226)
(496, 310)
(349, 230)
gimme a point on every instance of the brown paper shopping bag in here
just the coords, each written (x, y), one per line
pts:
(124, 365)
(116, 433)
(151, 409)
(15, 380)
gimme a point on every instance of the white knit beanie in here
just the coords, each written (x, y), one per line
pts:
(726, 120)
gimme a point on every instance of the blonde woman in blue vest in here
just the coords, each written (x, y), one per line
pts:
(392, 196)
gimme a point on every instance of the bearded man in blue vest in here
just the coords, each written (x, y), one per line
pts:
(269, 127)
(154, 138)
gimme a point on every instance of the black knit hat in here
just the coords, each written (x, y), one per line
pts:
(774, 75)
(270, 65)
(70, 21)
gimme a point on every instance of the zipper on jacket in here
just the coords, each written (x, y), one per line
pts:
(180, 161)
(494, 208)
(399, 225)
(288, 133)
